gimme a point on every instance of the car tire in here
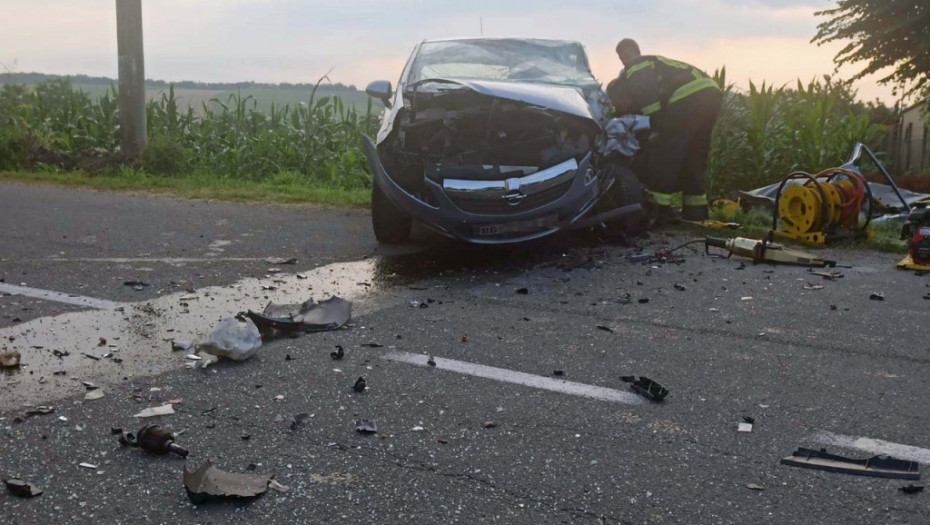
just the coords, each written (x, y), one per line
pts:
(391, 224)
(628, 190)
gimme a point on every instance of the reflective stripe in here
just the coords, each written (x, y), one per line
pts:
(652, 108)
(662, 199)
(691, 88)
(673, 63)
(638, 67)
(695, 200)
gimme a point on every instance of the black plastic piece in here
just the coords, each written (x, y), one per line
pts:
(876, 466)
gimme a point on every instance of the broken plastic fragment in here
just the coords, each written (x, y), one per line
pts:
(94, 395)
(338, 354)
(234, 338)
(181, 346)
(22, 489)
(877, 296)
(366, 426)
(39, 411)
(753, 486)
(331, 314)
(87, 465)
(744, 427)
(280, 261)
(208, 483)
(274, 485)
(360, 385)
(649, 388)
(9, 360)
(876, 466)
(154, 439)
(163, 410)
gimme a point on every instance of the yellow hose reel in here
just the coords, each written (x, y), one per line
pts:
(823, 207)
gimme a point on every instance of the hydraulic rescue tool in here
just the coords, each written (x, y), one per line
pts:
(916, 232)
(832, 205)
(765, 251)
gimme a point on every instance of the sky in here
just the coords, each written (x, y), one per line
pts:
(365, 40)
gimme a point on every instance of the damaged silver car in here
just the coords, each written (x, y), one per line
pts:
(495, 141)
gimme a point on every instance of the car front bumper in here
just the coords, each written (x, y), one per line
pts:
(515, 225)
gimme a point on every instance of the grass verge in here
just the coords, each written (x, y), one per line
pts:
(283, 189)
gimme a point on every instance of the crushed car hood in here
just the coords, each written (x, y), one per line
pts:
(566, 99)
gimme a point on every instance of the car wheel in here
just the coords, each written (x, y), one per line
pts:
(625, 191)
(391, 224)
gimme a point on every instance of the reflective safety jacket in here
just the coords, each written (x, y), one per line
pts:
(655, 82)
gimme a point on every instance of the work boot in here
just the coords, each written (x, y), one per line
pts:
(694, 213)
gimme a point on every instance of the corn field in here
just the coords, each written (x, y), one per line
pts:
(761, 135)
(53, 125)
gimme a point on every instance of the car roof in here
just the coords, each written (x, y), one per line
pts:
(491, 39)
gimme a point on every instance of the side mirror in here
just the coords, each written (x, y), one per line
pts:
(381, 90)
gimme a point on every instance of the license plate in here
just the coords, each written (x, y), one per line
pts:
(528, 226)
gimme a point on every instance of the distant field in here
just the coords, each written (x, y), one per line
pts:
(263, 97)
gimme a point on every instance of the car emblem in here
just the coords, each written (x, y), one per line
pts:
(514, 197)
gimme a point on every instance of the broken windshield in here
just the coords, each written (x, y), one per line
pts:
(503, 59)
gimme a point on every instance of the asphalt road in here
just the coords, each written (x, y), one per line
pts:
(823, 367)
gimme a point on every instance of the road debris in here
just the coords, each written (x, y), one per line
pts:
(522, 291)
(277, 487)
(21, 488)
(811, 286)
(153, 439)
(330, 314)
(208, 483)
(41, 410)
(488, 424)
(338, 354)
(9, 359)
(744, 427)
(299, 420)
(136, 285)
(181, 346)
(646, 387)
(753, 486)
(877, 296)
(605, 328)
(431, 361)
(360, 385)
(912, 489)
(876, 466)
(163, 410)
(94, 395)
(681, 287)
(558, 373)
(372, 345)
(87, 465)
(235, 338)
(280, 261)
(828, 276)
(366, 426)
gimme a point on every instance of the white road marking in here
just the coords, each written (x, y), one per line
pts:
(58, 297)
(874, 446)
(518, 378)
(165, 260)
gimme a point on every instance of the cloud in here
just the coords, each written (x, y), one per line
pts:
(299, 40)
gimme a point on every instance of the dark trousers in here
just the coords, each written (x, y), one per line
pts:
(677, 155)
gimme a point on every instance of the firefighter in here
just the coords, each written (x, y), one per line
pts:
(683, 104)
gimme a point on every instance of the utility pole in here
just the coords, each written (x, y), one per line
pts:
(132, 128)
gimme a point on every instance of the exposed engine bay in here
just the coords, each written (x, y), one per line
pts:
(460, 134)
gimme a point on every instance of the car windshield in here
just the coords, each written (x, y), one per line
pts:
(503, 59)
